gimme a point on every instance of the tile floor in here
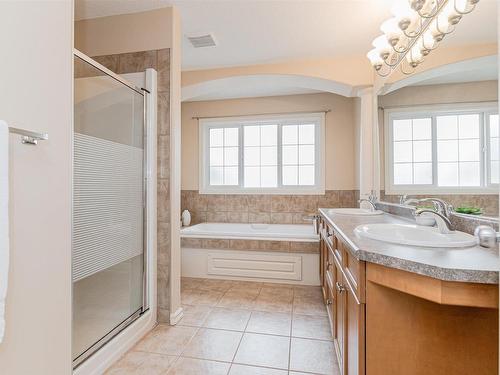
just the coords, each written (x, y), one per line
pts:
(239, 328)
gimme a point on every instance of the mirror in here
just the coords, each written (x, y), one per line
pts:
(439, 136)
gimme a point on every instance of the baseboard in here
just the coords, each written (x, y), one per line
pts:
(177, 316)
(273, 267)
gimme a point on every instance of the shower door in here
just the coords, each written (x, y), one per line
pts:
(108, 206)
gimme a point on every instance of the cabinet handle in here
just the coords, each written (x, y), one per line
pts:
(329, 264)
(339, 287)
(328, 302)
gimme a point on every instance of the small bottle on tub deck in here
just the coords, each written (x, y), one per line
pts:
(186, 218)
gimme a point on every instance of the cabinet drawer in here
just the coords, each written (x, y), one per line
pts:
(354, 271)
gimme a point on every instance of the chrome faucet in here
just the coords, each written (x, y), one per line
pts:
(369, 201)
(443, 223)
(440, 205)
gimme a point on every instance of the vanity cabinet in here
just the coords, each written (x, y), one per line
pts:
(342, 278)
(387, 321)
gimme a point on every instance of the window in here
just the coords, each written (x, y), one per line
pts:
(442, 148)
(269, 154)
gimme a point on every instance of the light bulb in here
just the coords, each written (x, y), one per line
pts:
(382, 46)
(391, 30)
(375, 59)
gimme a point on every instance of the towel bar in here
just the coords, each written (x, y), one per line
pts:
(28, 137)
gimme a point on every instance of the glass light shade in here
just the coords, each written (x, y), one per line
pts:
(414, 56)
(391, 30)
(429, 7)
(403, 13)
(382, 45)
(374, 57)
(450, 14)
(417, 4)
(428, 41)
(439, 27)
(465, 5)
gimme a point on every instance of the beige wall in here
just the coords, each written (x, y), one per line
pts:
(39, 76)
(469, 92)
(339, 131)
(145, 31)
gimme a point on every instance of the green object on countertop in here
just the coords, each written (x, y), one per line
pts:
(469, 210)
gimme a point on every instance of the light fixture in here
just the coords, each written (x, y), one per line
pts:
(416, 28)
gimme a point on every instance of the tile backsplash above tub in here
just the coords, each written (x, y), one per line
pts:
(257, 245)
(254, 208)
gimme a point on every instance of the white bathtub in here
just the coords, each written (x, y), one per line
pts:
(268, 232)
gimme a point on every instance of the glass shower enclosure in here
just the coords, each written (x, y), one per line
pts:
(109, 268)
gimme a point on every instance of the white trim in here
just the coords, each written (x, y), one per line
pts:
(432, 111)
(176, 316)
(238, 122)
(195, 263)
(255, 265)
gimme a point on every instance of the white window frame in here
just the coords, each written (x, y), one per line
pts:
(287, 119)
(484, 108)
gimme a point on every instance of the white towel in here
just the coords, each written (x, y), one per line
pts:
(4, 221)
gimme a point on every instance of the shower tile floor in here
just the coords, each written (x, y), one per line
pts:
(238, 328)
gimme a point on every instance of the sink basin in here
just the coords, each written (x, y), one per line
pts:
(414, 235)
(355, 211)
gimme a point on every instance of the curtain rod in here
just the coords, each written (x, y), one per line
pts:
(263, 114)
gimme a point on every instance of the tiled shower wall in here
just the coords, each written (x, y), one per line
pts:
(269, 209)
(488, 202)
(138, 62)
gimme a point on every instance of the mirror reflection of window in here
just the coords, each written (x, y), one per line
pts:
(443, 148)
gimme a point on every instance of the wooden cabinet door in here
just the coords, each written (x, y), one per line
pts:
(354, 326)
(322, 261)
(339, 314)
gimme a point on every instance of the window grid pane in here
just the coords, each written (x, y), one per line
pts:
(223, 156)
(260, 156)
(298, 154)
(412, 151)
(458, 150)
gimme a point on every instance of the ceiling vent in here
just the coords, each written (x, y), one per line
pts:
(202, 40)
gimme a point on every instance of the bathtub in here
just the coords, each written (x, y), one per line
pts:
(264, 232)
(279, 253)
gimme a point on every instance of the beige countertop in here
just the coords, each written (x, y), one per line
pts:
(471, 264)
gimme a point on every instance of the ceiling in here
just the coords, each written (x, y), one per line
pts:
(265, 31)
